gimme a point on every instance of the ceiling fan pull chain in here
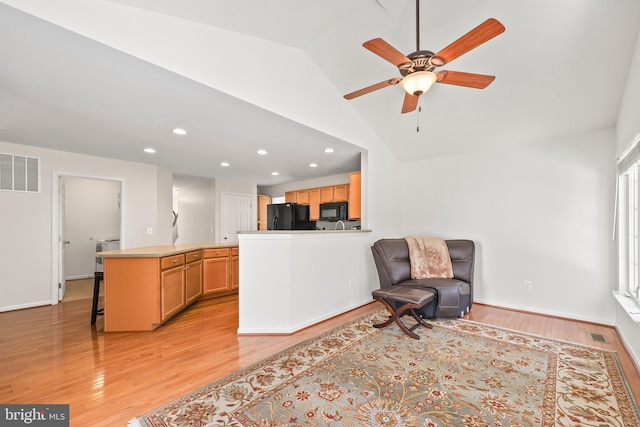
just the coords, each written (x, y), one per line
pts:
(418, 115)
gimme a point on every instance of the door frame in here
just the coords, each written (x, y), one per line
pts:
(55, 208)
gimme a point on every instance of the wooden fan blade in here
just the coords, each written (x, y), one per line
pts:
(371, 88)
(458, 78)
(410, 103)
(474, 38)
(386, 51)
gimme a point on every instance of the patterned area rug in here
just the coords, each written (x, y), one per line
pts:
(460, 373)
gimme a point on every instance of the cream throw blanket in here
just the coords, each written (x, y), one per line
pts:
(429, 258)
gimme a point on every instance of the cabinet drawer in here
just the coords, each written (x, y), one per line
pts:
(171, 261)
(215, 253)
(194, 256)
(235, 251)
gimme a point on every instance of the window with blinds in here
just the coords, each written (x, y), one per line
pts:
(19, 173)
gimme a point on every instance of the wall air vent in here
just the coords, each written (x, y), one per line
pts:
(19, 173)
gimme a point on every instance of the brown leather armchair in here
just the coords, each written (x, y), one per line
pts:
(453, 297)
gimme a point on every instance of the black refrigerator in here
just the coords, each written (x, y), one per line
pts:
(289, 216)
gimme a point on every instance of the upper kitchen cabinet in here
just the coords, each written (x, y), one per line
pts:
(291, 197)
(344, 192)
(334, 193)
(302, 197)
(355, 195)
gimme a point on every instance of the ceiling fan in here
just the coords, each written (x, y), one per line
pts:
(417, 68)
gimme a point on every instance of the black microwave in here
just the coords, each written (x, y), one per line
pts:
(334, 211)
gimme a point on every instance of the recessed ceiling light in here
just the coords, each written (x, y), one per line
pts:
(328, 150)
(149, 150)
(179, 131)
(275, 173)
(262, 152)
(313, 165)
(224, 164)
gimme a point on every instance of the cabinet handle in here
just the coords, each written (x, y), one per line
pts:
(175, 260)
(187, 267)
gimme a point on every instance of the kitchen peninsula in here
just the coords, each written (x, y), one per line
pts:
(144, 287)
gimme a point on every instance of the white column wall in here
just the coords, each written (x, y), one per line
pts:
(291, 281)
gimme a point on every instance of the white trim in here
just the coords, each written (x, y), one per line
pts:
(544, 312)
(629, 304)
(29, 305)
(300, 326)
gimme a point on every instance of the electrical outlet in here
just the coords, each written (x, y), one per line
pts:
(528, 285)
(149, 230)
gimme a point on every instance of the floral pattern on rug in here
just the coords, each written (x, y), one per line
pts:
(460, 373)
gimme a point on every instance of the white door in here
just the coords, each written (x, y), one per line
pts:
(236, 216)
(62, 242)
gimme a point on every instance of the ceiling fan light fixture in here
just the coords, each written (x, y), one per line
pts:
(419, 82)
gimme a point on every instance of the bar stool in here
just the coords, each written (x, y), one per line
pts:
(99, 277)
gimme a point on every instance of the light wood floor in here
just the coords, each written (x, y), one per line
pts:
(53, 355)
(79, 289)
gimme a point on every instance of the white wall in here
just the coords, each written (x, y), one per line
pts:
(92, 212)
(628, 125)
(196, 213)
(27, 246)
(540, 212)
(291, 281)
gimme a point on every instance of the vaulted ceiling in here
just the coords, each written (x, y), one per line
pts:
(110, 78)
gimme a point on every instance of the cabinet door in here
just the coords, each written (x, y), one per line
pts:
(216, 275)
(355, 204)
(340, 192)
(193, 281)
(314, 204)
(326, 195)
(172, 292)
(290, 197)
(235, 282)
(302, 197)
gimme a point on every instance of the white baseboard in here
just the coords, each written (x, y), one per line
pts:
(83, 276)
(21, 306)
(546, 312)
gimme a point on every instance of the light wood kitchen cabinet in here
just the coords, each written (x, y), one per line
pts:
(172, 292)
(302, 197)
(334, 193)
(291, 197)
(340, 193)
(235, 269)
(263, 201)
(193, 277)
(314, 204)
(220, 268)
(326, 194)
(143, 289)
(355, 195)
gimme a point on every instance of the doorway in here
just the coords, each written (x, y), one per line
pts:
(89, 211)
